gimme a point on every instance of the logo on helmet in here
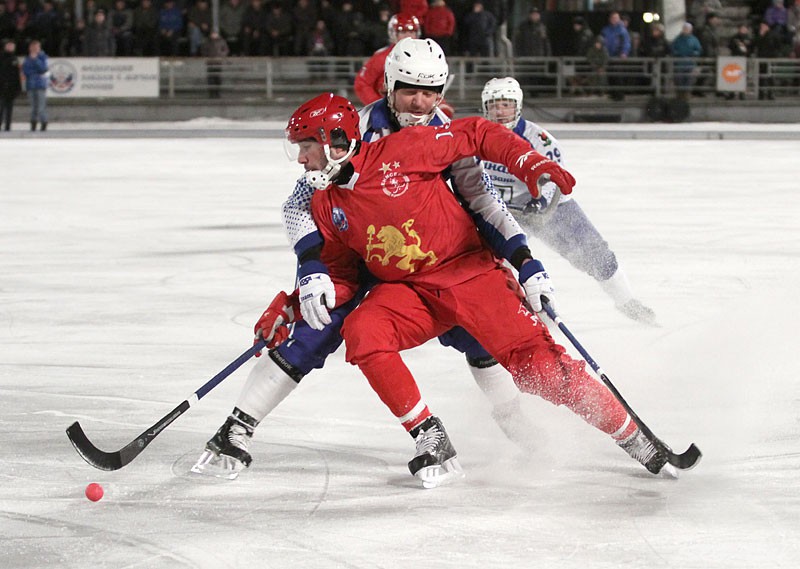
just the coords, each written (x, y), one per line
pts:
(316, 113)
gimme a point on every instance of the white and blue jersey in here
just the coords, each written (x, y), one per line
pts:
(568, 231)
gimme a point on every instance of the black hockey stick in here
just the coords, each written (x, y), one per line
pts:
(684, 461)
(116, 460)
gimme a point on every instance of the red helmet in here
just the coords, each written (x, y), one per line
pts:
(403, 23)
(329, 119)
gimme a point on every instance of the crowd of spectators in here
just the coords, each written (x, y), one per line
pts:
(356, 28)
(249, 27)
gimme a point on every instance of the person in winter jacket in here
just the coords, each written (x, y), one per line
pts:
(37, 75)
(10, 85)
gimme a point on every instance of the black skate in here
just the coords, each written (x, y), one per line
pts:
(635, 310)
(642, 450)
(227, 453)
(435, 462)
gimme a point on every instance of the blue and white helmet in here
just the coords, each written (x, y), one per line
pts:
(502, 89)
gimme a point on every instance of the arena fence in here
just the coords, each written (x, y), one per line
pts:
(273, 79)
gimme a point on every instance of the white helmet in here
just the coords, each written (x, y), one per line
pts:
(417, 64)
(506, 88)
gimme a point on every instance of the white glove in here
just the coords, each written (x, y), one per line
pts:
(537, 284)
(317, 295)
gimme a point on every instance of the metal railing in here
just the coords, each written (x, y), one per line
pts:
(272, 79)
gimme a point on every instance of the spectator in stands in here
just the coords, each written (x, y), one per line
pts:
(699, 8)
(198, 25)
(278, 26)
(709, 42)
(10, 86)
(231, 15)
(254, 20)
(656, 44)
(145, 29)
(23, 19)
(304, 18)
(76, 39)
(6, 22)
(582, 37)
(47, 26)
(793, 18)
(416, 8)
(478, 28)
(99, 39)
(597, 56)
(440, 25)
(215, 49)
(769, 44)
(121, 20)
(618, 45)
(741, 43)
(685, 48)
(377, 28)
(170, 28)
(347, 30)
(776, 14)
(320, 45)
(531, 38)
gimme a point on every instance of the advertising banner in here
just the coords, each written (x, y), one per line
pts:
(76, 77)
(732, 74)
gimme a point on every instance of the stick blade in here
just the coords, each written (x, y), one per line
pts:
(686, 460)
(90, 453)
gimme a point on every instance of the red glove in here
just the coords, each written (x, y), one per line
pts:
(552, 172)
(273, 324)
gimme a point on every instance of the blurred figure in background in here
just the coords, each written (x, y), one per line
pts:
(36, 69)
(10, 85)
(215, 50)
(369, 83)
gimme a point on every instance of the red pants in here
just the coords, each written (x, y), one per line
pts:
(399, 316)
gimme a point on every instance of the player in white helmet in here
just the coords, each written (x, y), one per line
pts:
(557, 220)
(416, 78)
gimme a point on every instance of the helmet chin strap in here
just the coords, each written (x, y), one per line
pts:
(321, 179)
(414, 119)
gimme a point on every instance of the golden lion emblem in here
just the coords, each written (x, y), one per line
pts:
(392, 243)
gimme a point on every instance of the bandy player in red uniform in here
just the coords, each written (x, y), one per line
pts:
(386, 205)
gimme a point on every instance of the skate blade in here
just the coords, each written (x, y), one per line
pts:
(218, 466)
(440, 474)
(669, 472)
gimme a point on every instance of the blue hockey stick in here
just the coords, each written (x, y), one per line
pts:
(683, 461)
(116, 460)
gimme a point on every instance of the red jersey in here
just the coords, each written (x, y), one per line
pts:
(398, 214)
(369, 84)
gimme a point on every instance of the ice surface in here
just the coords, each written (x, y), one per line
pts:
(131, 271)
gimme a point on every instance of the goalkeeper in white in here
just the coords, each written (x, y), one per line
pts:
(555, 219)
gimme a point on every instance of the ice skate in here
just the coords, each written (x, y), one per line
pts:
(516, 425)
(635, 310)
(226, 454)
(642, 450)
(435, 462)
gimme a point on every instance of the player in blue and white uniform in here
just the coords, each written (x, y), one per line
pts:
(416, 74)
(555, 219)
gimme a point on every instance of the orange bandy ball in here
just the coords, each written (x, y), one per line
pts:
(94, 492)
